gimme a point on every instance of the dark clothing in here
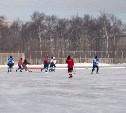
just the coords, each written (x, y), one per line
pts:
(46, 63)
(95, 66)
(10, 65)
(70, 69)
(25, 64)
(52, 64)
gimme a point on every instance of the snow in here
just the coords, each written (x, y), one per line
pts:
(54, 92)
(77, 65)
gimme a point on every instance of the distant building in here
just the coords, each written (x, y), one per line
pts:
(6, 24)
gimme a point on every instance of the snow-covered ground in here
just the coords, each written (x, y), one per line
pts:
(54, 92)
(77, 65)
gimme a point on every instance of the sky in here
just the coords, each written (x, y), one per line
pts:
(23, 9)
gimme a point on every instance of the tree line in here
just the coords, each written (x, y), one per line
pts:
(51, 33)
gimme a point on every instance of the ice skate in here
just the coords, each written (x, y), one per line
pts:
(70, 76)
(20, 70)
(91, 72)
(41, 69)
(97, 73)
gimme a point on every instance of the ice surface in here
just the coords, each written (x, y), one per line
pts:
(54, 92)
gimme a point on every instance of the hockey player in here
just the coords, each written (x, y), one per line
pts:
(54, 61)
(25, 63)
(20, 63)
(70, 63)
(52, 64)
(95, 65)
(10, 63)
(46, 64)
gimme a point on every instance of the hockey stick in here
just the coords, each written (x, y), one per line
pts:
(74, 70)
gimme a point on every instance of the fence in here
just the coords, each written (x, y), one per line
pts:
(4, 57)
(37, 57)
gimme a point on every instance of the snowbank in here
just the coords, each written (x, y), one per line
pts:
(77, 65)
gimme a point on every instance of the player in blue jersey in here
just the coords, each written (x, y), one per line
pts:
(95, 65)
(10, 63)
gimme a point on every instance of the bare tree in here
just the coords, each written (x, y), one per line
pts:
(39, 20)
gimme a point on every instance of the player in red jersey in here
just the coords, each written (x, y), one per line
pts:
(70, 63)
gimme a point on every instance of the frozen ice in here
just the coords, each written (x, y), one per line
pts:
(54, 92)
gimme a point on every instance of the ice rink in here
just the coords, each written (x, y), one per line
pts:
(54, 92)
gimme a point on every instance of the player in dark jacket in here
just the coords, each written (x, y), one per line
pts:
(25, 65)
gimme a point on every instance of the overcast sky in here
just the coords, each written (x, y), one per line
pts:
(23, 9)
